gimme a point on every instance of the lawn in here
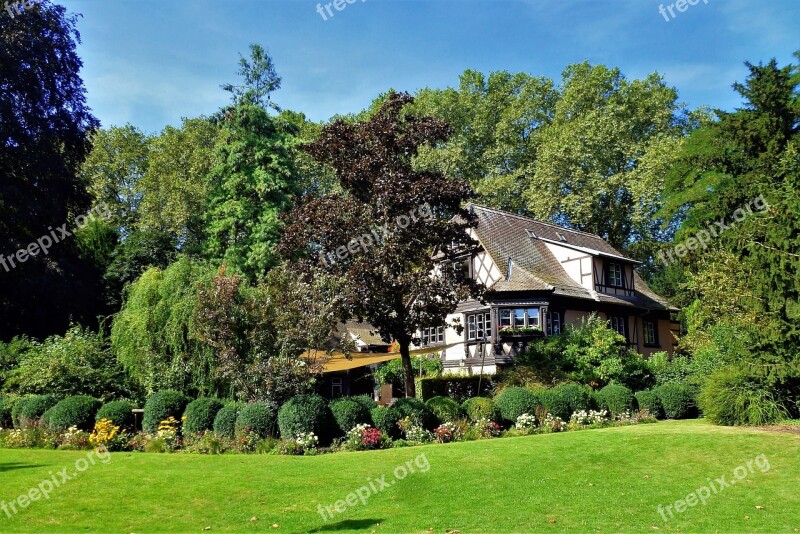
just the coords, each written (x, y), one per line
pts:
(608, 480)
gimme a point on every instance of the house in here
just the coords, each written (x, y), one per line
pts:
(542, 277)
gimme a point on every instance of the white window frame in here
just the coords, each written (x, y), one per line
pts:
(479, 323)
(554, 320)
(615, 275)
(649, 333)
(618, 324)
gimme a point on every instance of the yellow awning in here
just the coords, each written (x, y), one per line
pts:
(339, 362)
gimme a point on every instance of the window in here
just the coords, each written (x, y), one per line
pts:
(650, 333)
(336, 388)
(479, 326)
(554, 322)
(519, 318)
(615, 275)
(618, 324)
(432, 335)
(533, 316)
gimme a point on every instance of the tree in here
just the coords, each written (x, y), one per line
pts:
(406, 275)
(252, 182)
(259, 80)
(44, 136)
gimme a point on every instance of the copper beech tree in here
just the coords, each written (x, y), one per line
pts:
(398, 238)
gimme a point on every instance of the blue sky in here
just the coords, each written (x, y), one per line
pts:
(151, 62)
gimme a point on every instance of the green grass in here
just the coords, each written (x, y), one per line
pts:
(606, 480)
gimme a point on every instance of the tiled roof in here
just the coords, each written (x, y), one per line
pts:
(507, 236)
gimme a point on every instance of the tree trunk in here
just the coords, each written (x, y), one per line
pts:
(408, 371)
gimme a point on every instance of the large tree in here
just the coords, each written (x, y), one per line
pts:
(44, 136)
(397, 236)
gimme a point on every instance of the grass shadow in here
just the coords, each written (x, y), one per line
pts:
(349, 524)
(15, 465)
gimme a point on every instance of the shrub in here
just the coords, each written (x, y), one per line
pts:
(257, 417)
(78, 411)
(732, 397)
(385, 420)
(458, 388)
(677, 400)
(6, 407)
(366, 401)
(648, 400)
(225, 421)
(445, 409)
(200, 415)
(478, 408)
(348, 413)
(513, 402)
(616, 398)
(415, 408)
(562, 401)
(119, 412)
(161, 406)
(29, 409)
(307, 413)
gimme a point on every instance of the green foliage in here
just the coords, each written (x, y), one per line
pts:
(200, 414)
(412, 407)
(481, 408)
(365, 400)
(6, 408)
(385, 419)
(445, 409)
(78, 411)
(677, 400)
(31, 408)
(458, 388)
(225, 421)
(561, 401)
(732, 396)
(515, 401)
(154, 335)
(348, 413)
(120, 412)
(79, 362)
(391, 372)
(256, 417)
(163, 405)
(307, 413)
(648, 400)
(616, 398)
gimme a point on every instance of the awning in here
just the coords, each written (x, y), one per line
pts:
(339, 362)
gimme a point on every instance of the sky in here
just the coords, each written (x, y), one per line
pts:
(152, 62)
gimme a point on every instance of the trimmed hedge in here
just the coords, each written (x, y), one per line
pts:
(29, 409)
(481, 408)
(200, 414)
(348, 413)
(458, 388)
(78, 411)
(677, 400)
(616, 398)
(445, 409)
(256, 417)
(225, 421)
(307, 413)
(366, 401)
(648, 400)
(161, 406)
(385, 420)
(561, 401)
(120, 412)
(515, 401)
(411, 407)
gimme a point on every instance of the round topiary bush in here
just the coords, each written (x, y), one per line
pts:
(563, 400)
(648, 400)
(161, 406)
(366, 401)
(411, 407)
(200, 415)
(348, 413)
(120, 412)
(225, 421)
(78, 411)
(481, 408)
(256, 417)
(307, 413)
(616, 398)
(30, 409)
(515, 401)
(677, 400)
(385, 419)
(445, 409)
